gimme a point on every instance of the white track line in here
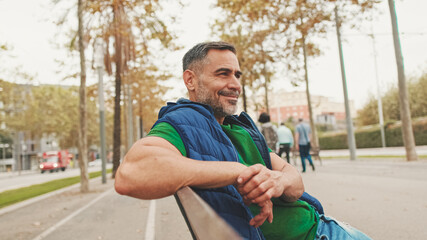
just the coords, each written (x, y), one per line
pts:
(63, 221)
(150, 227)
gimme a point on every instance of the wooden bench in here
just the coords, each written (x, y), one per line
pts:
(314, 152)
(202, 221)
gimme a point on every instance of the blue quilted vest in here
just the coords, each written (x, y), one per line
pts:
(205, 140)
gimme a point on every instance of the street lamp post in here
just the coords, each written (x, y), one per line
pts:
(379, 102)
(3, 146)
(99, 61)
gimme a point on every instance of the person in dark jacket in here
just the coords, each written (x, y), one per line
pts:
(268, 130)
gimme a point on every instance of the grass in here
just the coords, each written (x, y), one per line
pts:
(10, 197)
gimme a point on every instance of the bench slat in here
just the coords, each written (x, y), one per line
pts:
(203, 222)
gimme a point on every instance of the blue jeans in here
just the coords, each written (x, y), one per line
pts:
(304, 152)
(330, 229)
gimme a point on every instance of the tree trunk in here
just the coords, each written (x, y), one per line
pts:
(125, 117)
(267, 107)
(315, 140)
(118, 62)
(405, 112)
(351, 139)
(141, 120)
(83, 158)
(245, 105)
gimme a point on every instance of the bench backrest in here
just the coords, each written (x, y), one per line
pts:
(202, 221)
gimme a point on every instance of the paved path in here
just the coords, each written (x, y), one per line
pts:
(385, 199)
(388, 151)
(99, 214)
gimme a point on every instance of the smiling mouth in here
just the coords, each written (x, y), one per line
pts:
(229, 94)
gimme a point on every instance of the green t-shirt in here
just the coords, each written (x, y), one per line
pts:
(296, 220)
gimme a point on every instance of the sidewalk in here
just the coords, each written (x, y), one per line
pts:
(100, 214)
(388, 151)
(384, 199)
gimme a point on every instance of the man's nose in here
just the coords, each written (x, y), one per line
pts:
(234, 84)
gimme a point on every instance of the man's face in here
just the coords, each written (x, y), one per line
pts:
(219, 82)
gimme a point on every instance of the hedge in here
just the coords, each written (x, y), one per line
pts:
(372, 138)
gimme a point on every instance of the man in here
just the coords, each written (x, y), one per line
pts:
(302, 138)
(224, 158)
(286, 140)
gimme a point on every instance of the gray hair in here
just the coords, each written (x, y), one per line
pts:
(194, 58)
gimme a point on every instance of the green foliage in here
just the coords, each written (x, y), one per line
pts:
(417, 88)
(372, 138)
(338, 141)
(48, 109)
(17, 195)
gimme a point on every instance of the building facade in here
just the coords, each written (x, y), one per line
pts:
(286, 105)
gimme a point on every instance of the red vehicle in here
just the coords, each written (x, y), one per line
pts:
(54, 160)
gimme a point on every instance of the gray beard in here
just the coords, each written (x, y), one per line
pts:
(219, 110)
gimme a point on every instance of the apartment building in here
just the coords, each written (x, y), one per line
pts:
(286, 104)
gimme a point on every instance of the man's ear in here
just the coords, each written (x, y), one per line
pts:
(189, 79)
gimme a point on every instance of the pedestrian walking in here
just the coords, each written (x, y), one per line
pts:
(286, 140)
(268, 130)
(302, 140)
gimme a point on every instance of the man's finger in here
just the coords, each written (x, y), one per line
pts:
(253, 184)
(264, 197)
(257, 190)
(248, 173)
(266, 213)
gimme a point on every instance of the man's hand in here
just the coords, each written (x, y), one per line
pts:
(258, 184)
(266, 213)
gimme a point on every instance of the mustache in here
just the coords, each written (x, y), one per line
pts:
(229, 93)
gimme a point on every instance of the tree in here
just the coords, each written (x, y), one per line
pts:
(147, 92)
(83, 160)
(129, 30)
(117, 10)
(405, 112)
(46, 110)
(417, 88)
(291, 28)
(133, 26)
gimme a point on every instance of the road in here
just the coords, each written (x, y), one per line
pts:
(385, 199)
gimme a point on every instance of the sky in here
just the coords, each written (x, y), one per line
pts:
(28, 27)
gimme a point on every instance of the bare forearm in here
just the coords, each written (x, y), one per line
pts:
(290, 178)
(150, 171)
(295, 187)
